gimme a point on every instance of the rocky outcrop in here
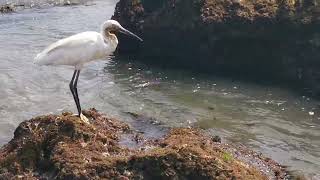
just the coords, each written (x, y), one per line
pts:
(6, 8)
(274, 40)
(18, 5)
(63, 147)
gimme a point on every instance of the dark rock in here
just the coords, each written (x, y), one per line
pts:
(6, 9)
(216, 139)
(16, 6)
(273, 40)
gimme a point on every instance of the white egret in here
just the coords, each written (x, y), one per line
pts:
(81, 48)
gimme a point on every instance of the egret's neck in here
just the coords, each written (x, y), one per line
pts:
(110, 38)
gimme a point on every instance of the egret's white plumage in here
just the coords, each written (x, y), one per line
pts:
(78, 49)
(81, 48)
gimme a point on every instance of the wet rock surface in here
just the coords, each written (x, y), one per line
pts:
(272, 40)
(6, 8)
(18, 5)
(63, 147)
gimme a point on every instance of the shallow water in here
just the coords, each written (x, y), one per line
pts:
(268, 119)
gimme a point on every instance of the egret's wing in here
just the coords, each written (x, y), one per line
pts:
(77, 41)
(61, 44)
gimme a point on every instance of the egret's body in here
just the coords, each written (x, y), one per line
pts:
(81, 48)
(78, 49)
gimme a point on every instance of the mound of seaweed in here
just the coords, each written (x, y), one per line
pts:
(274, 40)
(63, 147)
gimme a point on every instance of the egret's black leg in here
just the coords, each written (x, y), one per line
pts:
(71, 86)
(76, 92)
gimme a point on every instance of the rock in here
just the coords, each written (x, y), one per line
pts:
(271, 40)
(6, 8)
(63, 147)
(13, 6)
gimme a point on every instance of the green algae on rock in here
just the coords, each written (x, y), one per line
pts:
(274, 40)
(63, 147)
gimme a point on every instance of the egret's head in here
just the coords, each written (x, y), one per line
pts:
(112, 26)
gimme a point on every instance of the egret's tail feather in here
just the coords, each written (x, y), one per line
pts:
(39, 59)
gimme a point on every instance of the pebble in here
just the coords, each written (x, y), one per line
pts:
(311, 113)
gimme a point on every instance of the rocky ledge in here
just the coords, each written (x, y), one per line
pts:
(274, 40)
(63, 147)
(16, 5)
(7, 8)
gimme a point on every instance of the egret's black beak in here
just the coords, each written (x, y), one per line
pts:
(124, 31)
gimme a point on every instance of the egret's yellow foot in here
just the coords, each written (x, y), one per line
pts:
(84, 119)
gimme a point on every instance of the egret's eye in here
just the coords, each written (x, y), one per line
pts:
(112, 29)
(115, 28)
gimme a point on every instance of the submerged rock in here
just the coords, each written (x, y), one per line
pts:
(17, 5)
(63, 147)
(6, 8)
(274, 40)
